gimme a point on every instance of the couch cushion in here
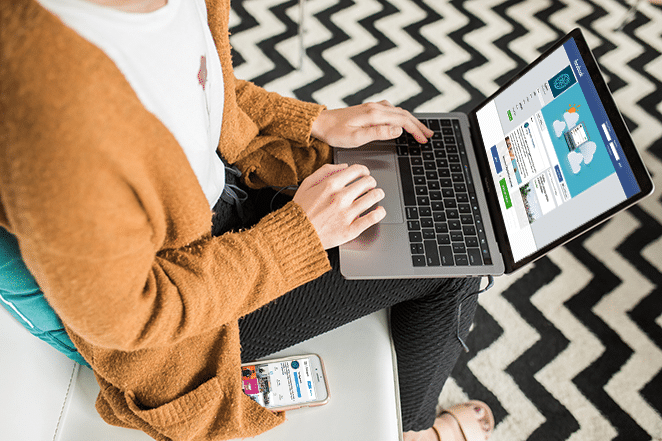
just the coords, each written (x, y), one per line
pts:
(22, 297)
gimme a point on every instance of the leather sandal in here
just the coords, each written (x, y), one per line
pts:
(473, 427)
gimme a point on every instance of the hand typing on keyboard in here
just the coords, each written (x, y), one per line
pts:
(359, 125)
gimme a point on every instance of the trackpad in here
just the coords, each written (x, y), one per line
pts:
(382, 165)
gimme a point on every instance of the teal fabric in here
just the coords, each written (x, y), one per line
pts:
(22, 297)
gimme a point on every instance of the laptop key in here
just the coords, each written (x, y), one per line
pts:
(474, 257)
(456, 236)
(431, 253)
(418, 260)
(441, 227)
(471, 242)
(459, 248)
(446, 255)
(443, 239)
(439, 216)
(417, 248)
(415, 236)
(469, 230)
(406, 179)
(461, 260)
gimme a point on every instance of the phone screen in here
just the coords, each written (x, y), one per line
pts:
(279, 384)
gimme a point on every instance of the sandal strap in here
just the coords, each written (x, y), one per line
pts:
(466, 419)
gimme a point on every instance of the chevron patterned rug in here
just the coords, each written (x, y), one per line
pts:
(569, 348)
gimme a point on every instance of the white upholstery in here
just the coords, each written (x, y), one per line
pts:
(45, 396)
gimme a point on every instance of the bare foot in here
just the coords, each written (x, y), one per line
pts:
(476, 419)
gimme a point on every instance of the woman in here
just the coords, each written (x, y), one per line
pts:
(123, 136)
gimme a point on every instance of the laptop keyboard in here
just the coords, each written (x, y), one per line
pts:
(443, 218)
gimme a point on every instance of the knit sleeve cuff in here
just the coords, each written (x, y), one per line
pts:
(295, 242)
(295, 119)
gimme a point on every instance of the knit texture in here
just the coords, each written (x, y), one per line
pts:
(112, 223)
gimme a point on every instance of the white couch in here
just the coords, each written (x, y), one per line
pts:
(45, 396)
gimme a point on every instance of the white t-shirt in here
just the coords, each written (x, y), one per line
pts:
(169, 58)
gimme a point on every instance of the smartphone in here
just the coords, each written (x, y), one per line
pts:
(286, 383)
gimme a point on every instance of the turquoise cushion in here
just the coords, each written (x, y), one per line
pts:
(22, 297)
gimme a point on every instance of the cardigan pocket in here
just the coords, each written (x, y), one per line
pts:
(185, 416)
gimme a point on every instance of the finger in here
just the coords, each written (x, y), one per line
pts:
(416, 128)
(323, 173)
(366, 221)
(364, 135)
(385, 114)
(368, 200)
(412, 124)
(350, 174)
(355, 190)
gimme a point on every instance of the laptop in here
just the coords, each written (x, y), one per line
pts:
(543, 160)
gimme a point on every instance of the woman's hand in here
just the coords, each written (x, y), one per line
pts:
(335, 198)
(358, 125)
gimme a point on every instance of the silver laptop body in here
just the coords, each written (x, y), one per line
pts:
(382, 251)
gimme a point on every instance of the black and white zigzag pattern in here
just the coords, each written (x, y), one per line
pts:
(571, 347)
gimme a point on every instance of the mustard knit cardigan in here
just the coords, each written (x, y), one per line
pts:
(115, 228)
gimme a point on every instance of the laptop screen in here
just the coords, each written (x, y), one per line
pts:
(555, 159)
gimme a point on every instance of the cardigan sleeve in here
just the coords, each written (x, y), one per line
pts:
(283, 152)
(110, 271)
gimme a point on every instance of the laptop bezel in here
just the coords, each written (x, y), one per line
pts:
(632, 156)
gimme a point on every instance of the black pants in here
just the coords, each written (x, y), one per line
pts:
(424, 318)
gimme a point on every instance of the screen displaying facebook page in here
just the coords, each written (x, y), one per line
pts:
(283, 383)
(555, 160)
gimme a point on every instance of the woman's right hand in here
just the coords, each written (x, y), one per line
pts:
(335, 199)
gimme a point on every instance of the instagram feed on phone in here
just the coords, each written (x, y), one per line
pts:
(280, 383)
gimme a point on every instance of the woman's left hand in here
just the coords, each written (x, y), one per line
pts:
(358, 125)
